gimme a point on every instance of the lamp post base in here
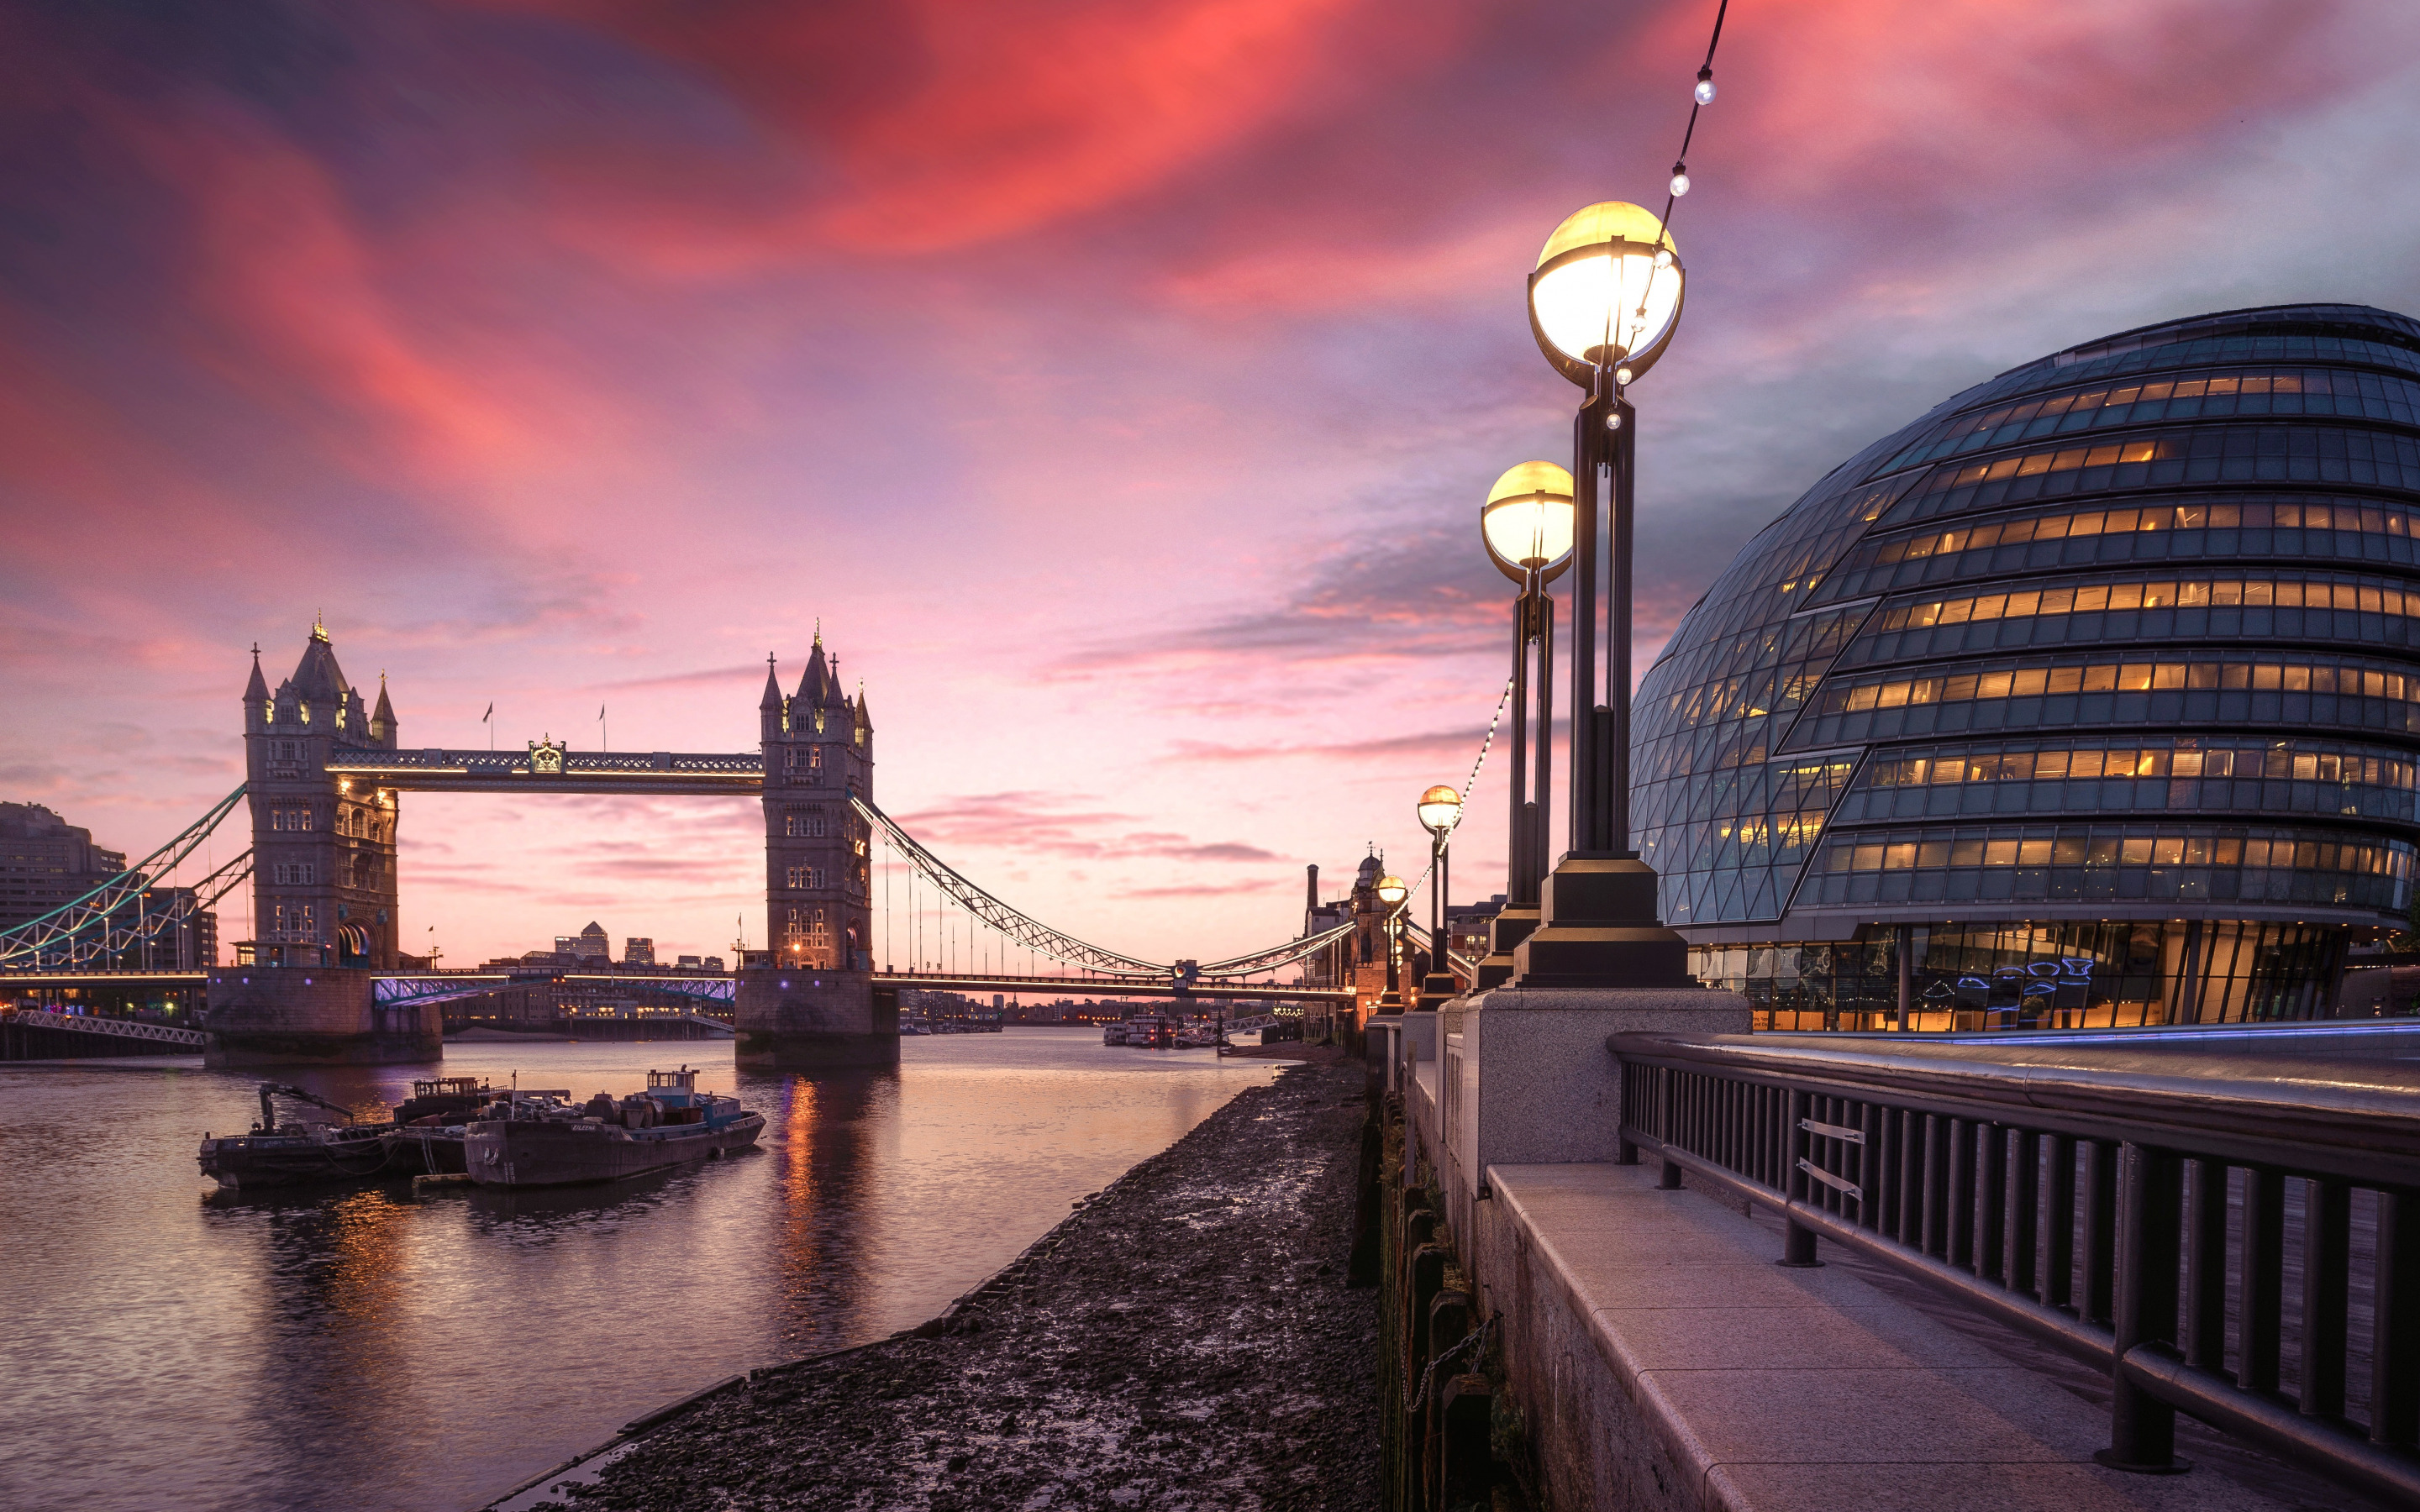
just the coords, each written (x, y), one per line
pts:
(1601, 930)
(1438, 989)
(1515, 922)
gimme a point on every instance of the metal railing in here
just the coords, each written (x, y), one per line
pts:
(43, 1018)
(2131, 1207)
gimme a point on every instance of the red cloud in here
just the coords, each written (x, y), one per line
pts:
(947, 123)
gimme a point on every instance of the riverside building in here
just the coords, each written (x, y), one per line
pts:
(2090, 698)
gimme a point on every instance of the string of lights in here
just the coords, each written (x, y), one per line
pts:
(1701, 95)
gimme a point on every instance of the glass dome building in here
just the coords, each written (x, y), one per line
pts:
(2090, 698)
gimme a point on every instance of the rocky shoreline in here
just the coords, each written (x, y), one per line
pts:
(1185, 1339)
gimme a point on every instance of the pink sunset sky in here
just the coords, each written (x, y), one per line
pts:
(1116, 382)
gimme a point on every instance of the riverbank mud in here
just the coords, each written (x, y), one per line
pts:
(1185, 1339)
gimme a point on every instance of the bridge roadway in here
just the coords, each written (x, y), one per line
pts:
(551, 769)
(1108, 987)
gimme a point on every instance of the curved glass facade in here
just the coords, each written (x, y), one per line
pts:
(2095, 692)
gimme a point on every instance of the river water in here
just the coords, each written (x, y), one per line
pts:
(367, 1348)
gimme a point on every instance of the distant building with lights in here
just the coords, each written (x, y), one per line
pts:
(2091, 696)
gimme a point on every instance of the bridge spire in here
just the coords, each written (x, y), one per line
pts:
(382, 720)
(256, 691)
(772, 698)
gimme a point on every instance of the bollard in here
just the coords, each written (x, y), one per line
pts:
(1464, 1410)
(1449, 1325)
(1428, 1279)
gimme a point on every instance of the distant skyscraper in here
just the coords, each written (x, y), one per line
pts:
(637, 950)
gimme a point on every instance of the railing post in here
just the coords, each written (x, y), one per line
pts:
(1626, 1087)
(2206, 1266)
(2093, 1302)
(1797, 1241)
(2327, 1224)
(2394, 1336)
(2142, 1427)
(1669, 1180)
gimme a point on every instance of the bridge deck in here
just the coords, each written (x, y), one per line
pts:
(437, 770)
(1108, 987)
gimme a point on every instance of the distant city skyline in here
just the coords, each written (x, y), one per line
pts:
(1127, 443)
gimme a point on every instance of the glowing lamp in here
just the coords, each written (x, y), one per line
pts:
(1607, 292)
(1391, 889)
(1440, 810)
(1527, 521)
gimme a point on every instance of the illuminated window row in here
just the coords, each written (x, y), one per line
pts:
(2203, 454)
(2366, 597)
(2121, 677)
(2271, 761)
(2112, 848)
(2314, 514)
(2277, 393)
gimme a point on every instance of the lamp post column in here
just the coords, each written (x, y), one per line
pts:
(1600, 923)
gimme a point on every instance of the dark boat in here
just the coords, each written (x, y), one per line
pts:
(547, 1143)
(294, 1152)
(426, 1139)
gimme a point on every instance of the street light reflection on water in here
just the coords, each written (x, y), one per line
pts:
(366, 1349)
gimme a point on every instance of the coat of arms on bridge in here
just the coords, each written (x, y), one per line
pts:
(546, 758)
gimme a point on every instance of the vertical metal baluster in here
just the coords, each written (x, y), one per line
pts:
(2394, 1334)
(2327, 1293)
(1797, 1241)
(2100, 1231)
(2058, 1265)
(2260, 1302)
(1962, 1193)
(1991, 1200)
(1734, 1104)
(2143, 1429)
(1874, 1167)
(1911, 1179)
(1936, 1185)
(2206, 1265)
(1626, 1153)
(2023, 1210)
(1667, 1126)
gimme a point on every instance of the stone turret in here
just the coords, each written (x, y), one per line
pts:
(323, 851)
(382, 720)
(803, 999)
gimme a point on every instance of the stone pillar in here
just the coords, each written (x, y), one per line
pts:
(795, 1018)
(1526, 1078)
(301, 1015)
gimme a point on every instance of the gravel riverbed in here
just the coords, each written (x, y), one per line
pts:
(1183, 1340)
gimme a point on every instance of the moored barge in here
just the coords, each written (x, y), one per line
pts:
(549, 1144)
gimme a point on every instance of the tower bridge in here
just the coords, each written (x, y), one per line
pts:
(323, 977)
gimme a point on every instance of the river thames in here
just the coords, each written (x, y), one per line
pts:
(361, 1347)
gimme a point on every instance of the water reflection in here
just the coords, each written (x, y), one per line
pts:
(826, 1161)
(373, 1349)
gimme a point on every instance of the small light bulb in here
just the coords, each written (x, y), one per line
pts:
(1622, 376)
(1663, 256)
(1705, 91)
(1613, 422)
(1679, 185)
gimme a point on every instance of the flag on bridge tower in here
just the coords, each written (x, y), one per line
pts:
(485, 720)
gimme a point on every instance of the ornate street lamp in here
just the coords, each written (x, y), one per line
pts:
(1604, 302)
(1439, 810)
(1393, 892)
(1527, 526)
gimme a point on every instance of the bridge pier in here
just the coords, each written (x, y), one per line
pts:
(312, 1016)
(814, 1018)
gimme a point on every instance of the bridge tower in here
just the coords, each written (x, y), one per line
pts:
(323, 881)
(807, 1001)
